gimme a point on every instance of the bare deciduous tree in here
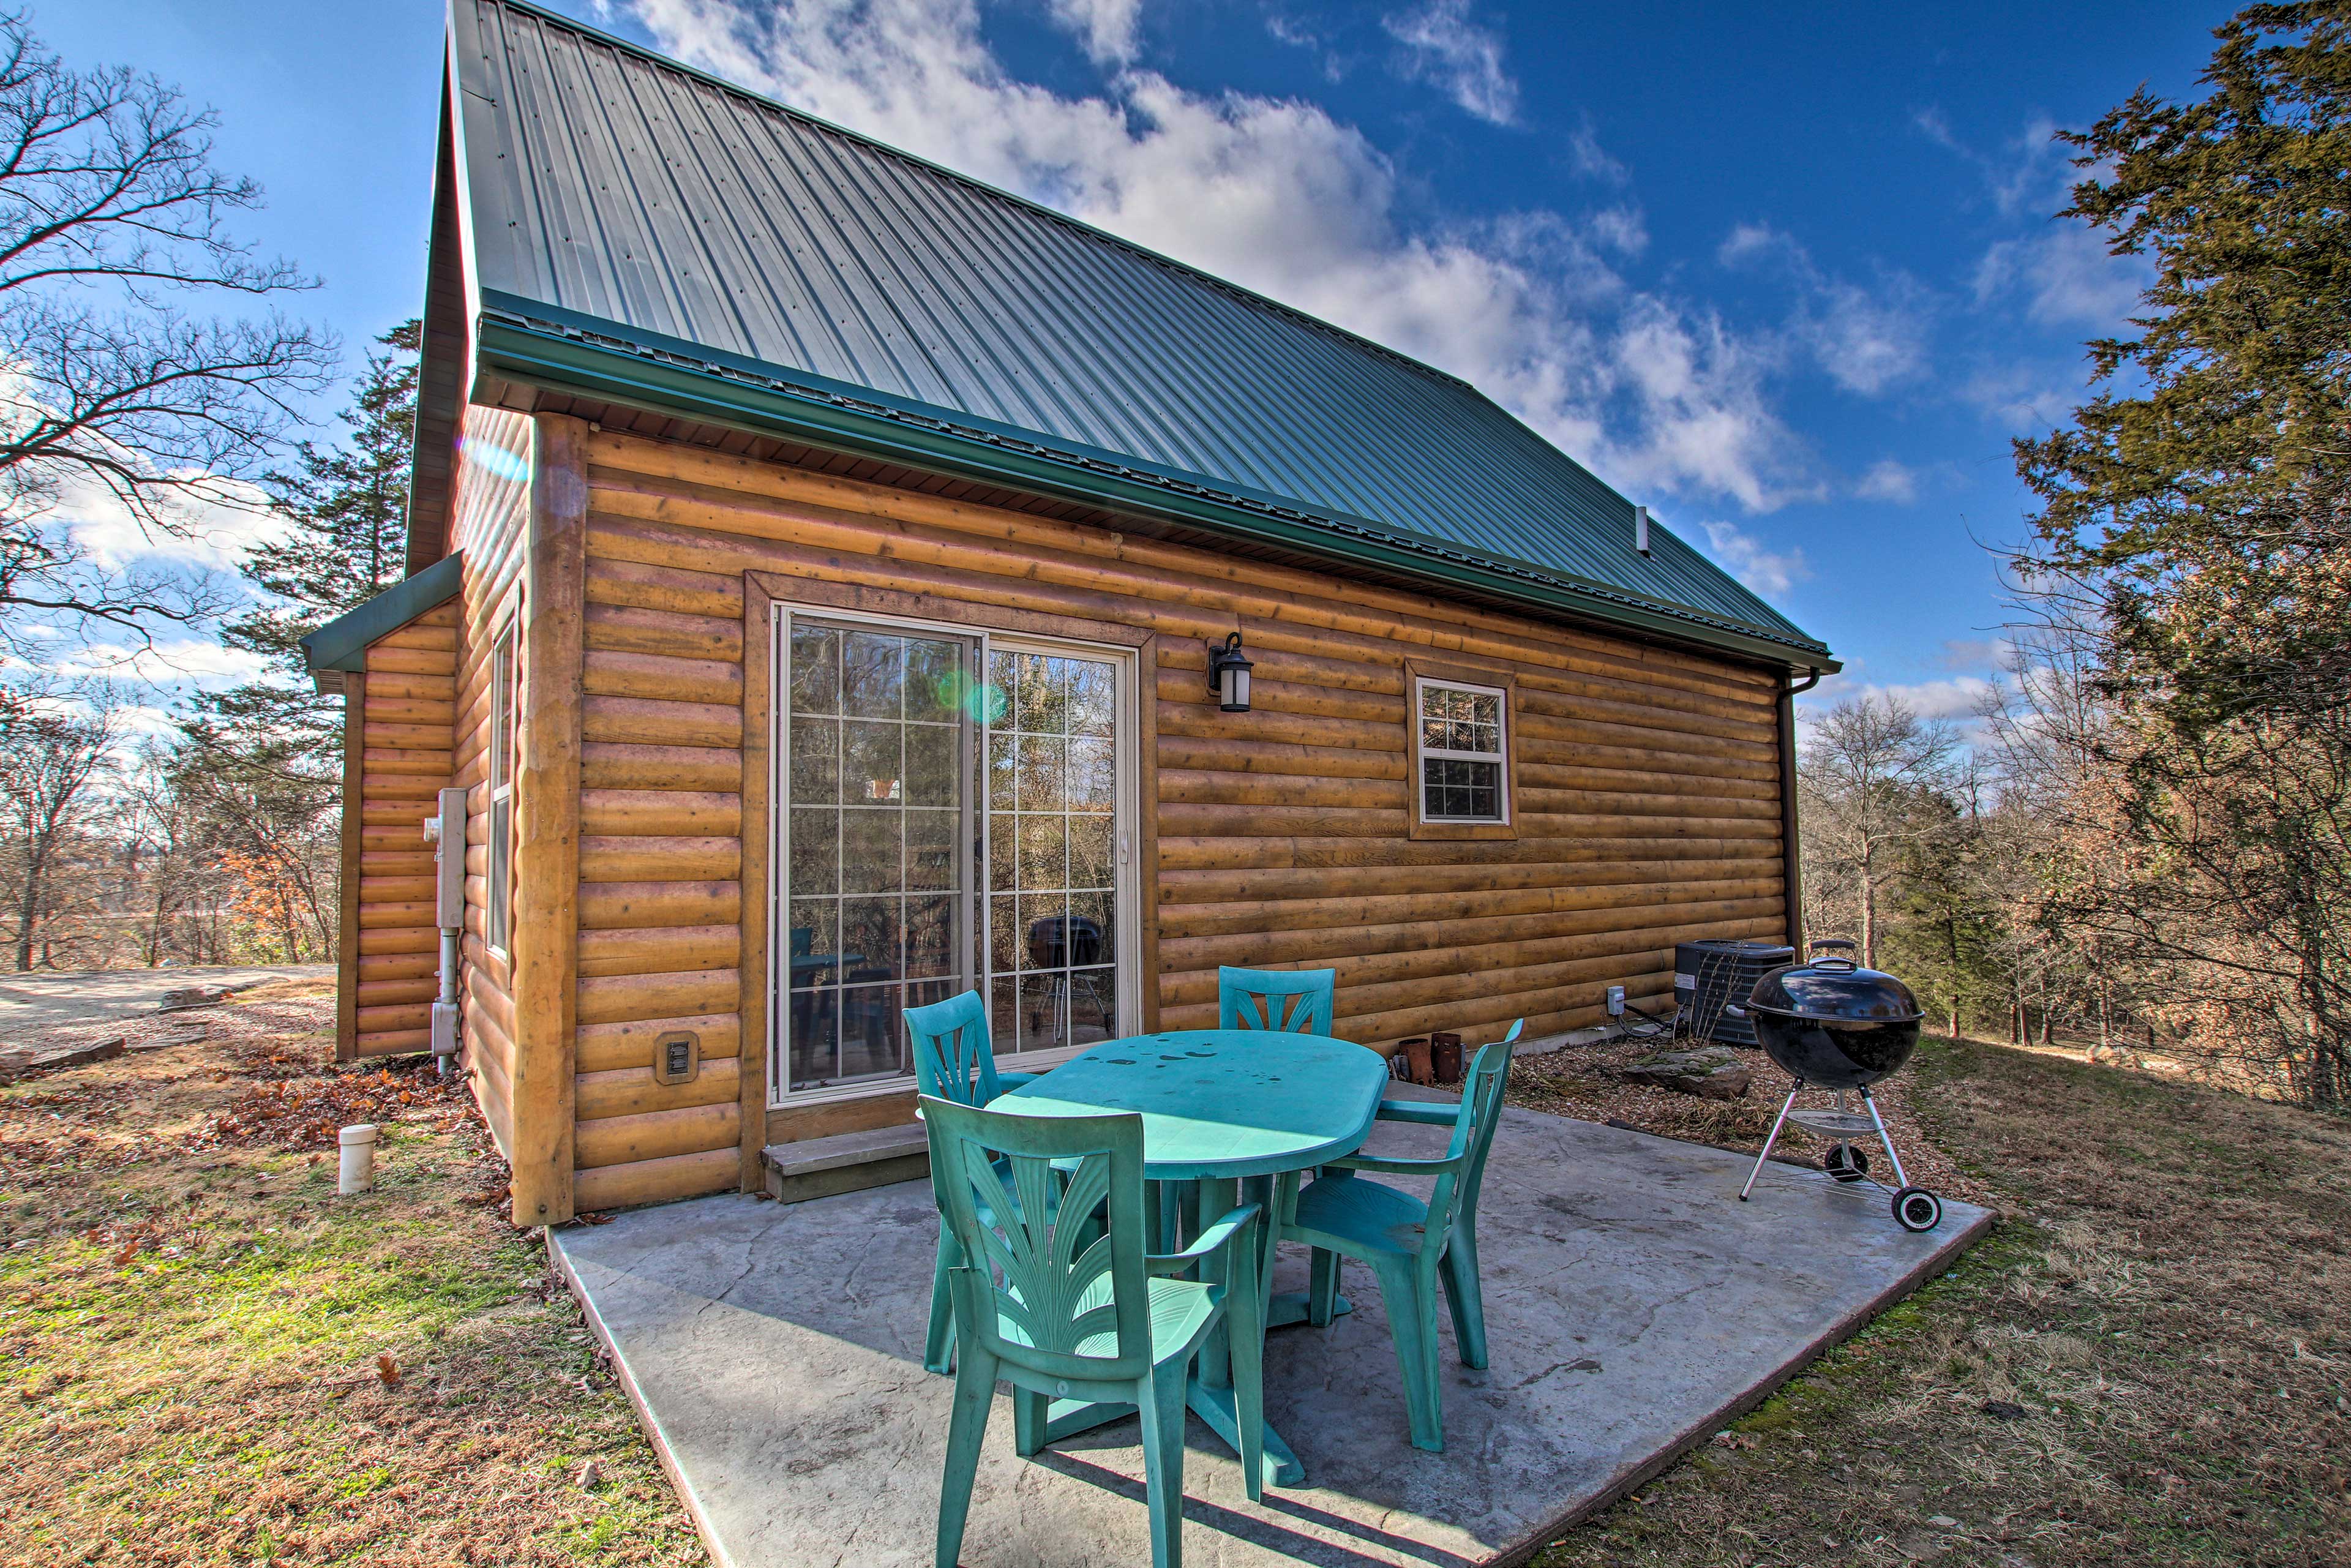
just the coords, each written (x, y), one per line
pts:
(113, 221)
(52, 750)
(1867, 768)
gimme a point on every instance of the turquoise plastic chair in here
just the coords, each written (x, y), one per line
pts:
(1414, 1248)
(955, 1059)
(1293, 1001)
(1062, 1301)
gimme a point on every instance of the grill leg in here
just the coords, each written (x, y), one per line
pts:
(1786, 1106)
(1899, 1179)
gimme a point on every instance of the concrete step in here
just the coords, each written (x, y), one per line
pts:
(846, 1162)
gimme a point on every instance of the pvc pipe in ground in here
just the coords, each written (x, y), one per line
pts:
(358, 1172)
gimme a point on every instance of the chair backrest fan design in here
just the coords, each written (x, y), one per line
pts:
(1287, 1001)
(1047, 1285)
(954, 1057)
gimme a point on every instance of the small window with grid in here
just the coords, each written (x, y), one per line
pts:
(499, 917)
(1464, 753)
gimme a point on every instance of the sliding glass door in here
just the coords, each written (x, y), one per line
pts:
(1054, 849)
(877, 811)
(953, 810)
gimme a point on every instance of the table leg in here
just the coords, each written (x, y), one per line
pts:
(1295, 1306)
(1216, 1197)
(1068, 1417)
(1215, 1406)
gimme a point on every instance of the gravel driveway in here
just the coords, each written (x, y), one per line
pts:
(31, 1004)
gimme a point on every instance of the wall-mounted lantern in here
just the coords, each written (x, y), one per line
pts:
(1228, 675)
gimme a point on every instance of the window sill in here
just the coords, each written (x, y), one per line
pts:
(1422, 828)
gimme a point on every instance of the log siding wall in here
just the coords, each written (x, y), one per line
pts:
(488, 519)
(1646, 788)
(400, 711)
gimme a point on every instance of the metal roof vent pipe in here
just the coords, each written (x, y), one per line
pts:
(1641, 530)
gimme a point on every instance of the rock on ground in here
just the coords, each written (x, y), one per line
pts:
(1710, 1071)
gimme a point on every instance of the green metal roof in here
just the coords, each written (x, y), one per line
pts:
(640, 230)
(341, 644)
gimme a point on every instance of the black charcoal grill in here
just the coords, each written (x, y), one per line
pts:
(1832, 1025)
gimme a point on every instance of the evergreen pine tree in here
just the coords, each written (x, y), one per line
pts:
(346, 510)
(261, 764)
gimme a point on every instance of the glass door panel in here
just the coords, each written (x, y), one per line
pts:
(1054, 862)
(877, 806)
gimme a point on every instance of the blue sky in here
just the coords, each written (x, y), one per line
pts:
(1793, 284)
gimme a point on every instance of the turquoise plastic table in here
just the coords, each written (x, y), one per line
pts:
(1219, 1107)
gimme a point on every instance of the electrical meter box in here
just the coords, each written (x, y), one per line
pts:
(447, 832)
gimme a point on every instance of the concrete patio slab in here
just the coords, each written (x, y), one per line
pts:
(1634, 1305)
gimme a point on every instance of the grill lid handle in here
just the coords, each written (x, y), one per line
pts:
(1849, 958)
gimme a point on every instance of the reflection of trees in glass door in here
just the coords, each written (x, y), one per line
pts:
(876, 793)
(1053, 851)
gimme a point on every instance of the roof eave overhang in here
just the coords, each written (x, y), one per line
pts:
(339, 647)
(520, 342)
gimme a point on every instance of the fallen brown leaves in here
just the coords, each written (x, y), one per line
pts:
(1587, 1083)
(206, 1357)
(310, 1112)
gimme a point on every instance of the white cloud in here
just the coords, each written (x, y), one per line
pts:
(1107, 29)
(1750, 242)
(1444, 47)
(2017, 397)
(1866, 343)
(1956, 703)
(1708, 426)
(183, 660)
(1621, 228)
(2061, 267)
(1978, 652)
(2066, 275)
(1956, 697)
(1592, 161)
(1866, 340)
(1278, 197)
(1769, 572)
(1888, 480)
(2028, 173)
(1300, 34)
(215, 527)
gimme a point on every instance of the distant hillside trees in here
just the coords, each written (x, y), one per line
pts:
(2168, 772)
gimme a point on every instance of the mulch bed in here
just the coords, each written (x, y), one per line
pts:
(1588, 1082)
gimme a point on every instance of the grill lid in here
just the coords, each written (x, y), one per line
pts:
(1835, 989)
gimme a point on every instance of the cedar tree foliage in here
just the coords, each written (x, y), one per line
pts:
(2195, 515)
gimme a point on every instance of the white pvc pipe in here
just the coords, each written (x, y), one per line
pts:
(358, 1172)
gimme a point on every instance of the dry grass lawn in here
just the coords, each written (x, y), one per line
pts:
(2147, 1363)
(207, 1357)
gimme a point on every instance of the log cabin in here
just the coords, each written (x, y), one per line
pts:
(836, 582)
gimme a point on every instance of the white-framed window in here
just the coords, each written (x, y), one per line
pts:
(954, 810)
(1464, 750)
(497, 917)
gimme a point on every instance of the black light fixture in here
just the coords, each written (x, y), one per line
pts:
(1228, 671)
